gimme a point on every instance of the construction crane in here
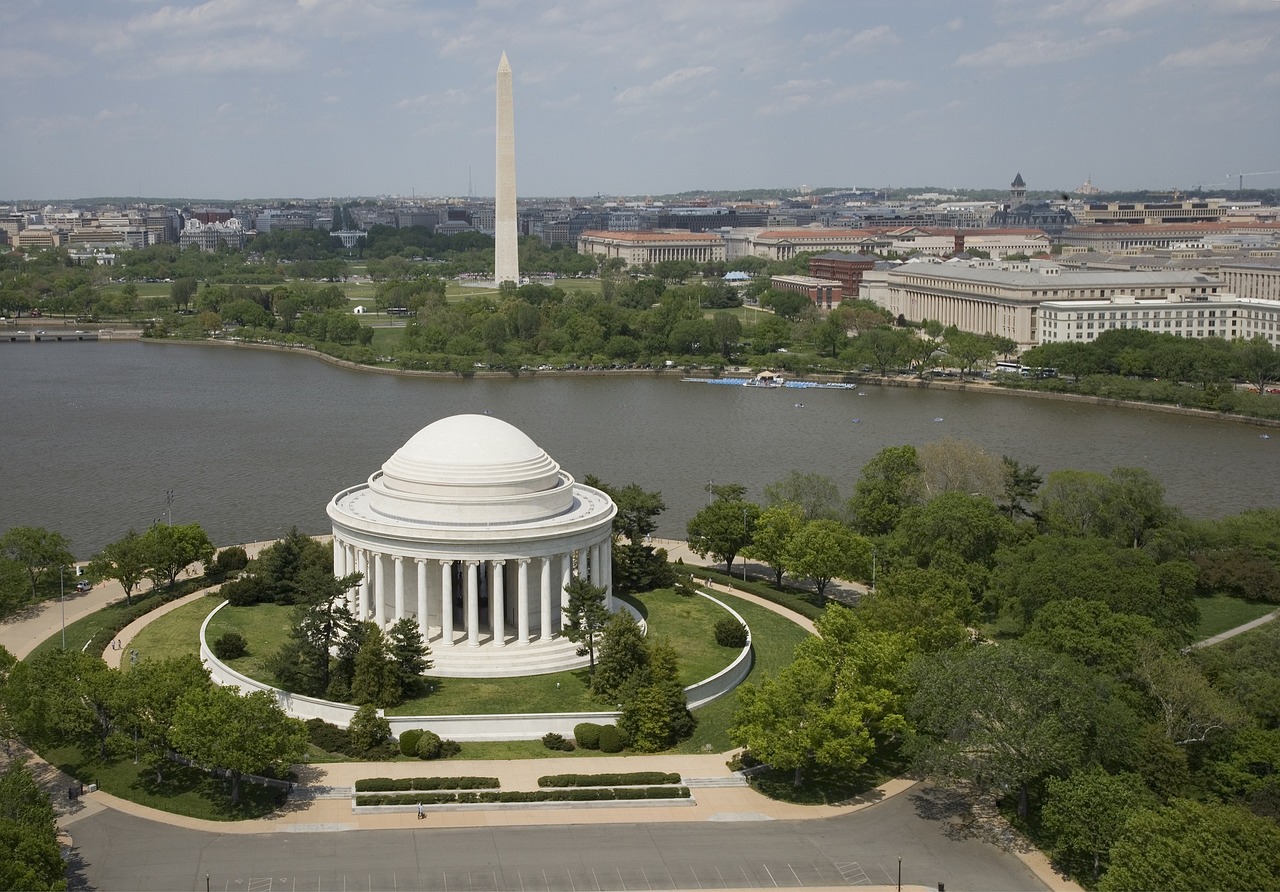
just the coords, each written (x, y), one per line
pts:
(1257, 173)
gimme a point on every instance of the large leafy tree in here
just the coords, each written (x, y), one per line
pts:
(61, 696)
(932, 609)
(1257, 361)
(722, 529)
(147, 698)
(124, 560)
(999, 717)
(890, 482)
(816, 496)
(776, 526)
(637, 565)
(655, 713)
(1189, 845)
(30, 858)
(823, 550)
(172, 549)
(1085, 813)
(585, 616)
(219, 728)
(831, 706)
(38, 550)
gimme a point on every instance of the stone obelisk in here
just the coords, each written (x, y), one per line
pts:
(506, 256)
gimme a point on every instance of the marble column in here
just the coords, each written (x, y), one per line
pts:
(473, 603)
(379, 588)
(606, 573)
(522, 601)
(446, 603)
(423, 615)
(366, 585)
(566, 576)
(545, 625)
(497, 605)
(398, 574)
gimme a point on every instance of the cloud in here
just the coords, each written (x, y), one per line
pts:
(881, 35)
(231, 56)
(678, 81)
(1040, 50)
(127, 111)
(1219, 54)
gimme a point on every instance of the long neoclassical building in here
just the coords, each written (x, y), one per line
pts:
(474, 531)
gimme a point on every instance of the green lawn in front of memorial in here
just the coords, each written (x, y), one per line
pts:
(1220, 613)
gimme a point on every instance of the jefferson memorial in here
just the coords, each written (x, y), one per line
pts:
(474, 531)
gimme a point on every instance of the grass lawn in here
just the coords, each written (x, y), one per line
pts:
(174, 634)
(184, 790)
(1219, 613)
(264, 626)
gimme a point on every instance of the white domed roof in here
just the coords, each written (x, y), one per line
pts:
(455, 466)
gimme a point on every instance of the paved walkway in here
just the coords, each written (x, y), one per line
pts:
(1238, 630)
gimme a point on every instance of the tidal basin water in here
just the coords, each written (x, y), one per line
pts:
(93, 436)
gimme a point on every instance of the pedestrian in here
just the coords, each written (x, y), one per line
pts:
(421, 814)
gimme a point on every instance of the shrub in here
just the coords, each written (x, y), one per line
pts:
(327, 737)
(230, 645)
(554, 741)
(429, 745)
(369, 731)
(450, 748)
(588, 735)
(409, 742)
(228, 561)
(731, 633)
(610, 739)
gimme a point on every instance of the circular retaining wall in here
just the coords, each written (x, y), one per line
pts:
(531, 726)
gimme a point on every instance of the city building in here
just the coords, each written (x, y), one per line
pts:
(847, 269)
(1003, 299)
(640, 248)
(826, 294)
(474, 531)
(1205, 316)
(209, 237)
(783, 244)
(1254, 277)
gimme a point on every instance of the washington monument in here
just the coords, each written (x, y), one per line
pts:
(506, 256)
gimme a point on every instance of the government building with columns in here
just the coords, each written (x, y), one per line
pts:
(471, 529)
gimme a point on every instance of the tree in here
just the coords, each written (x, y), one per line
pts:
(36, 549)
(409, 654)
(63, 695)
(831, 706)
(585, 616)
(124, 560)
(655, 713)
(722, 529)
(1092, 633)
(1257, 361)
(219, 728)
(883, 348)
(1021, 483)
(1191, 711)
(1085, 813)
(183, 291)
(30, 858)
(955, 532)
(726, 331)
(823, 550)
(148, 697)
(377, 678)
(637, 565)
(950, 465)
(1189, 846)
(816, 496)
(932, 609)
(322, 621)
(368, 730)
(889, 483)
(172, 549)
(622, 655)
(1000, 717)
(776, 526)
(967, 349)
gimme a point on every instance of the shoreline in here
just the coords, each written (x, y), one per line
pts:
(679, 373)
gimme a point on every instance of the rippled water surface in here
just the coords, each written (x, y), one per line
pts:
(93, 435)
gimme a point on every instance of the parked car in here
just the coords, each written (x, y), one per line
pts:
(84, 585)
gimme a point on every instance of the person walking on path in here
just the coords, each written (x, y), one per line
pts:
(421, 815)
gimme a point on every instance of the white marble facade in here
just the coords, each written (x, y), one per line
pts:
(473, 530)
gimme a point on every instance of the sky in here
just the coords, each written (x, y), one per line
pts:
(239, 99)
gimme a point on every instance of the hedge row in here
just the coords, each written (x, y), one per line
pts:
(594, 794)
(632, 778)
(392, 784)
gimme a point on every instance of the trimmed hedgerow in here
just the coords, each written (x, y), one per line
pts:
(593, 794)
(397, 784)
(631, 778)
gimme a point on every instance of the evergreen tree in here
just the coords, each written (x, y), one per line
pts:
(585, 616)
(622, 654)
(376, 679)
(410, 654)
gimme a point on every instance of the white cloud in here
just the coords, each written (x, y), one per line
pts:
(1218, 54)
(679, 81)
(881, 35)
(1040, 50)
(263, 55)
(127, 111)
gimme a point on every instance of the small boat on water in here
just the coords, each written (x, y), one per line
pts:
(765, 379)
(939, 418)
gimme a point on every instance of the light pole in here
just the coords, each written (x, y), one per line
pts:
(745, 537)
(873, 569)
(168, 506)
(62, 605)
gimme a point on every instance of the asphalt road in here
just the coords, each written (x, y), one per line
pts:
(115, 851)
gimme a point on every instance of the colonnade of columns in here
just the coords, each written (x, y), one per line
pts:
(443, 594)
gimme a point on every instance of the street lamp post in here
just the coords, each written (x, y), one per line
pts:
(744, 537)
(62, 604)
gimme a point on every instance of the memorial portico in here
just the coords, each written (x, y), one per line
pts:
(473, 531)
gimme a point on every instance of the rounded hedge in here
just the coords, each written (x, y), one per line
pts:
(610, 739)
(588, 735)
(409, 742)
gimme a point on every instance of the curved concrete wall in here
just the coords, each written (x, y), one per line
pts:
(529, 726)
